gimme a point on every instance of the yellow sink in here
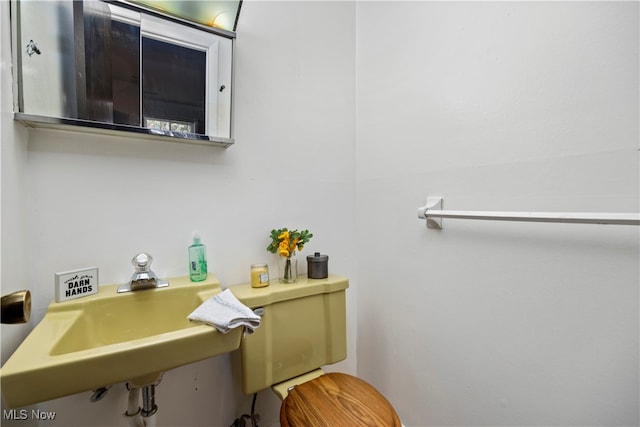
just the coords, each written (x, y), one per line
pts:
(108, 338)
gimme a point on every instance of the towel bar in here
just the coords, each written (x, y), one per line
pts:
(433, 213)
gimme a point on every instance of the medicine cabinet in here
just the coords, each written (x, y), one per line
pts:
(122, 66)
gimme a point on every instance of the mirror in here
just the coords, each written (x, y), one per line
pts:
(114, 66)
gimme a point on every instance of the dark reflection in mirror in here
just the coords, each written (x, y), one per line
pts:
(174, 86)
(93, 62)
(173, 76)
(125, 62)
(64, 20)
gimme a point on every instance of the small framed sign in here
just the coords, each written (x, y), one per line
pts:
(76, 284)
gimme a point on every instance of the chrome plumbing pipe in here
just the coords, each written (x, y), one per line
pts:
(149, 406)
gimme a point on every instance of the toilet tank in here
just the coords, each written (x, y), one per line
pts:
(303, 327)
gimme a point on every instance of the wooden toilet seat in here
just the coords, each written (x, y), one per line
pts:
(339, 400)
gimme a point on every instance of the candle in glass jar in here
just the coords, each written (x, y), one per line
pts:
(259, 275)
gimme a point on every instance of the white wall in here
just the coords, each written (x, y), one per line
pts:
(99, 200)
(13, 158)
(498, 106)
(530, 106)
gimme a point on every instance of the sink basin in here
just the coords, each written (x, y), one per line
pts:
(109, 338)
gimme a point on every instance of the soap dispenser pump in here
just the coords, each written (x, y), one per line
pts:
(197, 260)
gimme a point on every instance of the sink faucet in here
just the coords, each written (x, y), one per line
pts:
(143, 278)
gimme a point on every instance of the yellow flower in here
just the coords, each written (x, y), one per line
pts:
(285, 242)
(292, 246)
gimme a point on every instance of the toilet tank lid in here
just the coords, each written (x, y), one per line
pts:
(275, 292)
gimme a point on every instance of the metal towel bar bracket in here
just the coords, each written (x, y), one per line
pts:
(433, 213)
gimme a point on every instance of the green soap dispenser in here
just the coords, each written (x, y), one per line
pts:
(197, 260)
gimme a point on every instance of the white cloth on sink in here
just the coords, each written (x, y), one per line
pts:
(225, 312)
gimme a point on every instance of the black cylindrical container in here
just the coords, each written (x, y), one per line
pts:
(317, 266)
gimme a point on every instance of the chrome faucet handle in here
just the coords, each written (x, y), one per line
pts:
(142, 262)
(143, 277)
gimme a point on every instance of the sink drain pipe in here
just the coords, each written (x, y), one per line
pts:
(149, 406)
(141, 417)
(145, 416)
(133, 408)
